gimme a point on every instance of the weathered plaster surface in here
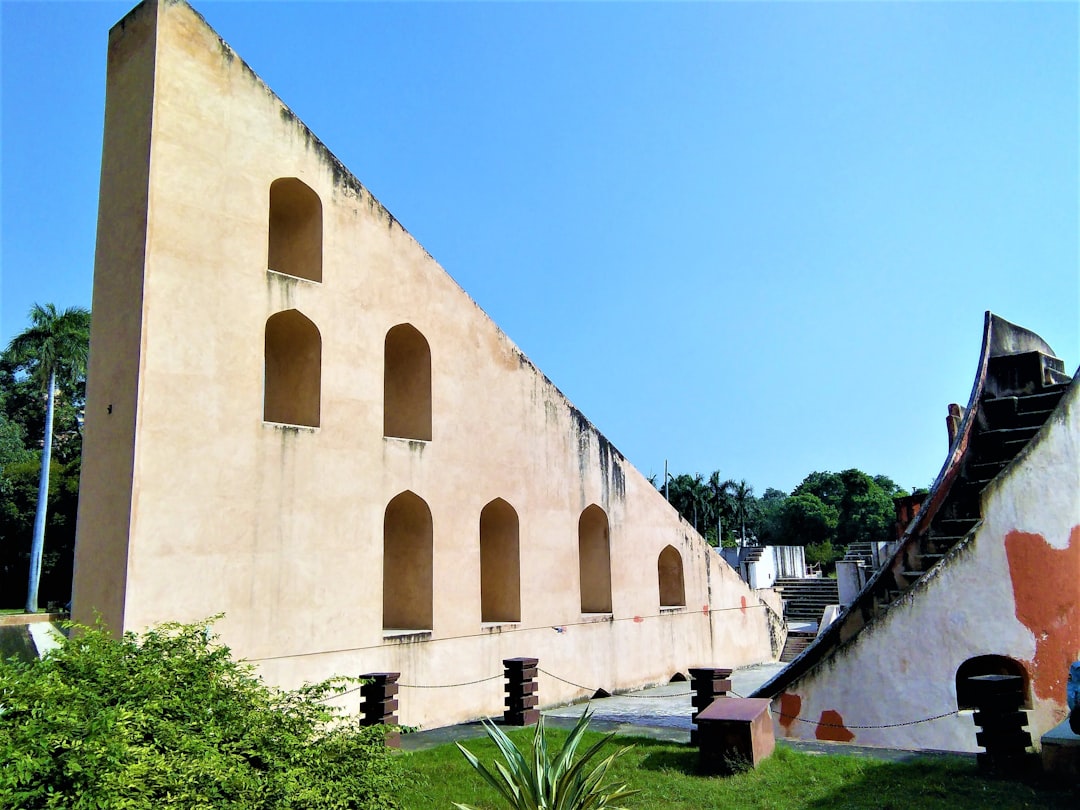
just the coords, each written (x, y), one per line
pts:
(1012, 590)
(192, 505)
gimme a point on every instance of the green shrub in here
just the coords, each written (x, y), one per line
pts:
(169, 719)
(536, 782)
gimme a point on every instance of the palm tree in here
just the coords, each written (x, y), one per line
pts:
(721, 501)
(52, 351)
(742, 499)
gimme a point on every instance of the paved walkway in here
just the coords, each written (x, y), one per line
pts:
(661, 713)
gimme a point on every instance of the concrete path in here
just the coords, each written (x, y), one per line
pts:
(661, 713)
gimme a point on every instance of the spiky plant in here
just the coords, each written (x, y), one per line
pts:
(536, 782)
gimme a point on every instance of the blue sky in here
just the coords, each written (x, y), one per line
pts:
(753, 237)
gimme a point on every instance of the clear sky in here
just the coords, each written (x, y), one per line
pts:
(753, 237)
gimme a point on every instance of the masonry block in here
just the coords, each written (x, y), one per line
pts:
(707, 684)
(521, 691)
(998, 700)
(379, 706)
(734, 733)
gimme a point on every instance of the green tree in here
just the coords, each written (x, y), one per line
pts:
(170, 719)
(828, 487)
(805, 519)
(52, 350)
(765, 520)
(742, 500)
(866, 510)
(721, 507)
(689, 495)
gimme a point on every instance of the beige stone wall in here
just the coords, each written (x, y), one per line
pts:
(192, 504)
(1011, 591)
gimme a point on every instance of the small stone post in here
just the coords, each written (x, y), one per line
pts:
(708, 684)
(380, 705)
(998, 700)
(521, 686)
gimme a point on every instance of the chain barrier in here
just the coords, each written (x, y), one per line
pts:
(664, 697)
(415, 686)
(686, 612)
(594, 691)
(447, 685)
(861, 728)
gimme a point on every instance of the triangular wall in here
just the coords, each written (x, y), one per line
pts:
(342, 453)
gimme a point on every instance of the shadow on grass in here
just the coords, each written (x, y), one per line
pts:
(833, 781)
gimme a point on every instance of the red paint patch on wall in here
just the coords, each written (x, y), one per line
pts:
(790, 706)
(705, 609)
(638, 620)
(1044, 581)
(831, 727)
(742, 604)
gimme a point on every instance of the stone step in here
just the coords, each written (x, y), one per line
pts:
(952, 527)
(797, 641)
(1045, 400)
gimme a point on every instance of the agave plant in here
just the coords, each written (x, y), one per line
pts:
(536, 782)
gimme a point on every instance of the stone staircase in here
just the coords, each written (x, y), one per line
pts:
(860, 552)
(1018, 387)
(754, 555)
(806, 599)
(797, 641)
(1026, 388)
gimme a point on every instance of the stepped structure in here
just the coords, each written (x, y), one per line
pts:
(805, 598)
(297, 419)
(984, 581)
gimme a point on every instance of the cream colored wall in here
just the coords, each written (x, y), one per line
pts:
(903, 666)
(116, 351)
(281, 528)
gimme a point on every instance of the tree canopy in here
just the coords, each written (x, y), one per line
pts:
(42, 390)
(826, 512)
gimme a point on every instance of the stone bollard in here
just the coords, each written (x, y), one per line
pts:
(521, 696)
(380, 705)
(708, 684)
(998, 700)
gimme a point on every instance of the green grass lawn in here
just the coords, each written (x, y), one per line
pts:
(666, 775)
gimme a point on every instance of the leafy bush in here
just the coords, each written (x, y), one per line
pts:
(170, 720)
(538, 783)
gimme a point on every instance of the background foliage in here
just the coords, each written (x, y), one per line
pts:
(22, 423)
(170, 720)
(826, 513)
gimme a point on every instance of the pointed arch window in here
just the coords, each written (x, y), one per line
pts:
(500, 571)
(594, 560)
(669, 569)
(292, 378)
(407, 565)
(407, 384)
(295, 230)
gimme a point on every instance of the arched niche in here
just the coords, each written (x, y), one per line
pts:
(295, 230)
(500, 563)
(669, 571)
(988, 665)
(407, 384)
(407, 564)
(292, 377)
(594, 560)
